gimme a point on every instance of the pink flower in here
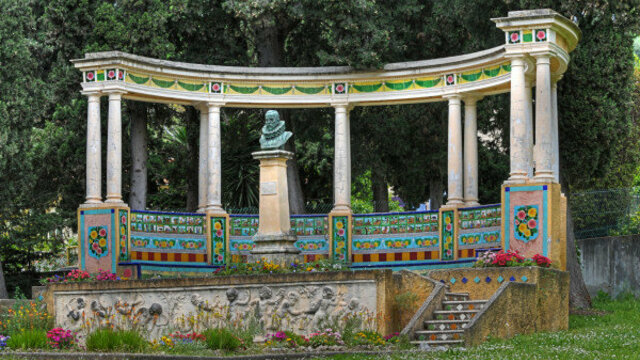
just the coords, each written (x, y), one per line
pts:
(103, 232)
(95, 246)
(448, 227)
(532, 224)
(522, 214)
(219, 233)
(341, 232)
(514, 37)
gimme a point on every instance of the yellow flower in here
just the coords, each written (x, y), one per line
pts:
(527, 233)
(532, 212)
(217, 225)
(103, 242)
(447, 220)
(522, 227)
(339, 225)
(94, 234)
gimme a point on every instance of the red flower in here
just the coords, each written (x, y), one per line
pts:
(541, 260)
(514, 37)
(103, 232)
(522, 215)
(90, 76)
(532, 224)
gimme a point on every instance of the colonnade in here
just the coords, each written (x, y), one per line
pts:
(462, 164)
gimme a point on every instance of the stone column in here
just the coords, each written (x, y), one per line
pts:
(342, 161)
(114, 149)
(202, 159)
(520, 137)
(94, 155)
(555, 138)
(454, 163)
(544, 120)
(529, 123)
(214, 167)
(470, 151)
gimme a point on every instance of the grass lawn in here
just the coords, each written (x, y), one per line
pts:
(615, 335)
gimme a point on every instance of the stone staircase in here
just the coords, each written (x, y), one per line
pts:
(448, 324)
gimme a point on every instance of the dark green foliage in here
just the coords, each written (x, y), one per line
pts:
(221, 339)
(116, 340)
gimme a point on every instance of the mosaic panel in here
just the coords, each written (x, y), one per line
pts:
(124, 235)
(218, 240)
(479, 218)
(395, 224)
(243, 225)
(169, 235)
(447, 232)
(165, 223)
(312, 233)
(98, 242)
(340, 238)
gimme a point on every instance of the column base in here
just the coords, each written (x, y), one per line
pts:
(275, 248)
(214, 210)
(544, 177)
(471, 203)
(117, 202)
(86, 205)
(341, 210)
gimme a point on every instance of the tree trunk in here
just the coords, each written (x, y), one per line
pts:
(270, 44)
(3, 286)
(435, 193)
(578, 294)
(139, 155)
(380, 190)
(193, 132)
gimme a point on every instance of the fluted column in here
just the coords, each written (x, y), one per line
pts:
(342, 161)
(214, 164)
(544, 120)
(520, 136)
(114, 149)
(470, 151)
(454, 154)
(94, 155)
(202, 159)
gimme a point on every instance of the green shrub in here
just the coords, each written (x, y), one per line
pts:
(110, 340)
(221, 339)
(28, 339)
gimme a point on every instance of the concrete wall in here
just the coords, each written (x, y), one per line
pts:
(611, 264)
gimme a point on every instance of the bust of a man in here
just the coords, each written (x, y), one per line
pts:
(273, 134)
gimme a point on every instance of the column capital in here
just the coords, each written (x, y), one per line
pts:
(453, 98)
(214, 105)
(343, 105)
(516, 59)
(115, 94)
(541, 55)
(92, 93)
(472, 99)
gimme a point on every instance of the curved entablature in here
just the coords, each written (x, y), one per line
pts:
(528, 33)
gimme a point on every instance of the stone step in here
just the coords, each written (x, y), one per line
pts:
(445, 343)
(454, 314)
(445, 324)
(451, 296)
(433, 335)
(463, 304)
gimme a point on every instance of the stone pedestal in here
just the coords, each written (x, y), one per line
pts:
(274, 240)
